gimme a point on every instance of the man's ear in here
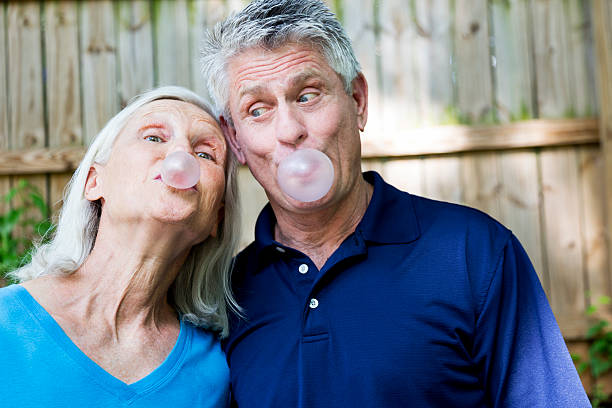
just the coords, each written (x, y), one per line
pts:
(360, 96)
(93, 187)
(230, 135)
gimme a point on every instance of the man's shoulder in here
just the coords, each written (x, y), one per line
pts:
(441, 216)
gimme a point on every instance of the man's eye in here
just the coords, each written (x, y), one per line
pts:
(306, 97)
(155, 139)
(258, 112)
(205, 155)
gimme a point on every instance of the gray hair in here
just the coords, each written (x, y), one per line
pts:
(201, 292)
(271, 24)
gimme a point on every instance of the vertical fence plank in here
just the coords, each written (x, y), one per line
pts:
(98, 61)
(513, 79)
(581, 58)
(520, 203)
(197, 26)
(474, 82)
(559, 167)
(25, 84)
(443, 178)
(519, 200)
(480, 180)
(62, 73)
(405, 174)
(26, 101)
(171, 40)
(398, 86)
(433, 53)
(63, 78)
(550, 50)
(563, 239)
(593, 222)
(602, 16)
(4, 129)
(4, 135)
(361, 24)
(135, 49)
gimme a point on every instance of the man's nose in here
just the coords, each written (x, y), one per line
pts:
(290, 127)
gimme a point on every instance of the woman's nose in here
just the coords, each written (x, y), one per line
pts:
(290, 127)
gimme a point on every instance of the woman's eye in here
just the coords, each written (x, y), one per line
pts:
(205, 155)
(306, 97)
(155, 139)
(258, 112)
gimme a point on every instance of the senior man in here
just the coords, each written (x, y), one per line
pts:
(368, 296)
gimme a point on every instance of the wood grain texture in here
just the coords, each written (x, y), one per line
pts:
(453, 139)
(361, 22)
(564, 255)
(474, 81)
(197, 26)
(4, 130)
(602, 15)
(98, 59)
(40, 160)
(399, 85)
(513, 61)
(442, 177)
(63, 74)
(135, 49)
(481, 182)
(27, 125)
(433, 58)
(520, 205)
(592, 219)
(405, 174)
(172, 43)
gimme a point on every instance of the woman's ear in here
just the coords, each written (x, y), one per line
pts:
(93, 186)
(230, 135)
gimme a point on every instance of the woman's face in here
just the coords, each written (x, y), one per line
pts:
(130, 186)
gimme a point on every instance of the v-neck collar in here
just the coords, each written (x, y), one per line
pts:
(128, 392)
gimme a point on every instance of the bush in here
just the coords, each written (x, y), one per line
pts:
(26, 222)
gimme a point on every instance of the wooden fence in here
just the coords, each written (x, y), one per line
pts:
(490, 103)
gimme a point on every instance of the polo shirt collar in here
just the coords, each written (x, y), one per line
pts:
(389, 219)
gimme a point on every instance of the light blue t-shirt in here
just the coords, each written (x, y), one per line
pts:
(41, 367)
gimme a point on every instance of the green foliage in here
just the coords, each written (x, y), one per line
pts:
(600, 352)
(26, 221)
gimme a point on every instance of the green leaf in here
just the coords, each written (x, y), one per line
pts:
(604, 300)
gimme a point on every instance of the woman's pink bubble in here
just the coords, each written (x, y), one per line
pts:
(180, 170)
(305, 175)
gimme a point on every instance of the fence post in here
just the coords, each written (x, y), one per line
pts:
(602, 16)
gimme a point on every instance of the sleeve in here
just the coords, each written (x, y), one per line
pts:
(518, 346)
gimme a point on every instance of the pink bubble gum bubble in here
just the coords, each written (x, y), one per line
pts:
(180, 170)
(305, 175)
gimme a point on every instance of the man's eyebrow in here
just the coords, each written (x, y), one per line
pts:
(293, 81)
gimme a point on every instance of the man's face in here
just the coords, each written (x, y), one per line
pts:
(290, 98)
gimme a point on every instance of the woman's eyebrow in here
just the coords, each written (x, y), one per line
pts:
(152, 126)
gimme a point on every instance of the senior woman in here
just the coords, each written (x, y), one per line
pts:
(126, 304)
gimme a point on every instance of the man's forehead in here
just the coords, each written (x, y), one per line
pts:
(253, 68)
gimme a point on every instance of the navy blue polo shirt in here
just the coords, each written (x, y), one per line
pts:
(426, 304)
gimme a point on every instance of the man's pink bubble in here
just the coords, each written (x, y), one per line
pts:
(305, 175)
(180, 170)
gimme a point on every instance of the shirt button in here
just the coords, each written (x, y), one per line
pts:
(313, 303)
(281, 250)
(303, 268)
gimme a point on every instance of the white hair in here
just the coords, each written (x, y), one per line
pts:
(271, 24)
(201, 292)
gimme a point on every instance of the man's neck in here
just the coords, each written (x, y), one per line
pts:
(319, 233)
